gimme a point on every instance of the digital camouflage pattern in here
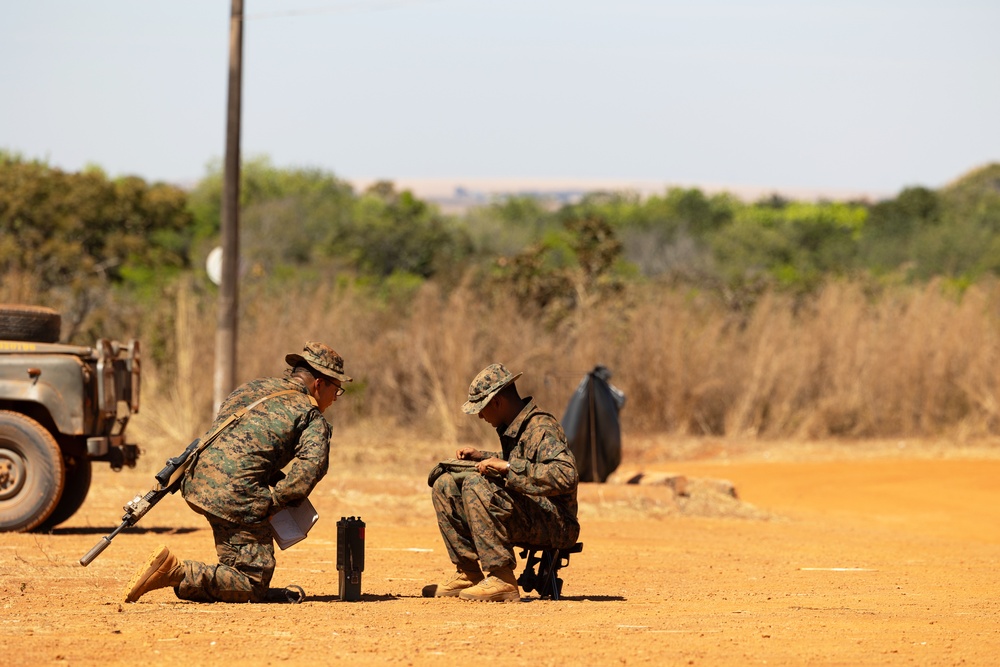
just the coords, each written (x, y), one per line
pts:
(482, 518)
(230, 477)
(230, 484)
(485, 386)
(243, 574)
(321, 358)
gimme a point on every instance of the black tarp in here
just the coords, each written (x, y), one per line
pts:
(592, 427)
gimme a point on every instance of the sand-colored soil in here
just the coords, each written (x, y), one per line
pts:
(827, 558)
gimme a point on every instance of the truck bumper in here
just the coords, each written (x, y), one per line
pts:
(114, 449)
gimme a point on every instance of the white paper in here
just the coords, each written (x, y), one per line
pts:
(292, 524)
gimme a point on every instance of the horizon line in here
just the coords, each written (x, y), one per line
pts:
(478, 188)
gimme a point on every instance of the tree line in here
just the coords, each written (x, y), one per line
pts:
(73, 238)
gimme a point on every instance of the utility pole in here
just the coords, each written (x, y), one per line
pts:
(225, 335)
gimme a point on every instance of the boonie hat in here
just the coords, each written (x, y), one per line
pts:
(490, 380)
(321, 358)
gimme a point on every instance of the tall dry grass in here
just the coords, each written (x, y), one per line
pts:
(18, 287)
(911, 362)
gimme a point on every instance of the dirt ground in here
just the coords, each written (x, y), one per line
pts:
(832, 554)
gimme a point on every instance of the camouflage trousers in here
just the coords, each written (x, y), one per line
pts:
(482, 521)
(246, 565)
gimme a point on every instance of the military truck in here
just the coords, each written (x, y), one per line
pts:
(62, 407)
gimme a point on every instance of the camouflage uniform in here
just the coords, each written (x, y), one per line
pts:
(482, 518)
(230, 483)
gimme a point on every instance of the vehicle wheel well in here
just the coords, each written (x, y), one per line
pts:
(36, 411)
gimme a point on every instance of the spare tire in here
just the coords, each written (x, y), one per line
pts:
(29, 323)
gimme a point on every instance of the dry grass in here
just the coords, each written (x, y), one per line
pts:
(913, 362)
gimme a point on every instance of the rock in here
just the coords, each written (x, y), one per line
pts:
(675, 481)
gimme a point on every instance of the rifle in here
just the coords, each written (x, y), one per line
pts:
(168, 480)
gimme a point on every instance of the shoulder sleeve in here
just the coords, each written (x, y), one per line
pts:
(311, 460)
(542, 464)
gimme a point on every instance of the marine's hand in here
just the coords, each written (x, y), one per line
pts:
(275, 506)
(467, 453)
(493, 466)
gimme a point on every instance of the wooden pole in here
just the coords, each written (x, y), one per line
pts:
(225, 336)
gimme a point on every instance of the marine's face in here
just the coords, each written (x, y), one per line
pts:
(491, 412)
(328, 390)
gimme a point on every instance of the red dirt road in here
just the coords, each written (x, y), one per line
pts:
(888, 560)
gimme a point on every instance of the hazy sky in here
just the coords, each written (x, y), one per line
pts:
(870, 95)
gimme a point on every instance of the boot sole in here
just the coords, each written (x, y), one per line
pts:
(506, 597)
(445, 594)
(141, 576)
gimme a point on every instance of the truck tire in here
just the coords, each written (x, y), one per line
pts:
(78, 475)
(32, 473)
(29, 323)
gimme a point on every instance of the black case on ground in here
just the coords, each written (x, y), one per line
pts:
(350, 556)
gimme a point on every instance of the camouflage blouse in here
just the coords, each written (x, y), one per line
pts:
(541, 463)
(230, 478)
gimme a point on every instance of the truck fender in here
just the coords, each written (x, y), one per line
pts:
(66, 420)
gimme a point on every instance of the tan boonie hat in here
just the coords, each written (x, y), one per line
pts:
(322, 359)
(490, 380)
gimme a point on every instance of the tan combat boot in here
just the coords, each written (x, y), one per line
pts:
(459, 582)
(500, 586)
(161, 569)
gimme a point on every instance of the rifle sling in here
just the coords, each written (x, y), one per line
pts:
(235, 417)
